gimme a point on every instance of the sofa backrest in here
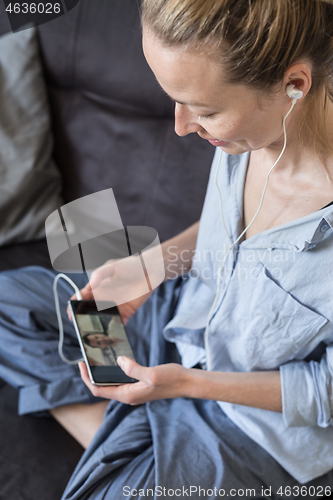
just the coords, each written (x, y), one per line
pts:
(113, 125)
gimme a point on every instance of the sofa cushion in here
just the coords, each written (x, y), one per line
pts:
(30, 183)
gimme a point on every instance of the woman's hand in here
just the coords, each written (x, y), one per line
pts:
(114, 279)
(110, 282)
(256, 389)
(158, 382)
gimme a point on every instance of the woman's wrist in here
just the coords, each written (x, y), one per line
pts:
(254, 389)
(193, 383)
(178, 252)
(174, 263)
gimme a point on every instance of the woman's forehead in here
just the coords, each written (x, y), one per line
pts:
(180, 71)
(188, 76)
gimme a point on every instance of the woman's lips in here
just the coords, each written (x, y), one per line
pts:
(218, 143)
(215, 142)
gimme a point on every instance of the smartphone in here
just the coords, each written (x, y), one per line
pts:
(102, 338)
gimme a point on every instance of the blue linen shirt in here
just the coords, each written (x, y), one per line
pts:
(274, 311)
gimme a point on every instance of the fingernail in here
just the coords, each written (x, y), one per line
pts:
(120, 360)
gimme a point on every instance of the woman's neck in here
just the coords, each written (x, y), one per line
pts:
(301, 157)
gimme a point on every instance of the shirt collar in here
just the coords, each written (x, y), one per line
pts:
(300, 234)
(323, 231)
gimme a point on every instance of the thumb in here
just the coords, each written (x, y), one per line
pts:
(131, 368)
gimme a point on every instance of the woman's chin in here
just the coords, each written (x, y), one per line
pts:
(232, 148)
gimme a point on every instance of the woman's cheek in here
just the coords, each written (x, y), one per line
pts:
(231, 128)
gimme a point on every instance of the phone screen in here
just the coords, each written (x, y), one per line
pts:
(102, 337)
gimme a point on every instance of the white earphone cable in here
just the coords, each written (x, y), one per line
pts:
(58, 312)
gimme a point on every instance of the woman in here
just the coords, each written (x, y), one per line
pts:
(258, 312)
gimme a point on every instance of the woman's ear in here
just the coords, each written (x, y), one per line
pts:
(299, 75)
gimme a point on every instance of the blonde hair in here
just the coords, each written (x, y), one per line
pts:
(258, 41)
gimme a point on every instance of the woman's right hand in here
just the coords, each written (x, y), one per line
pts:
(114, 282)
(123, 281)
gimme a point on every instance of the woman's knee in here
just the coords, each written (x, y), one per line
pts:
(27, 287)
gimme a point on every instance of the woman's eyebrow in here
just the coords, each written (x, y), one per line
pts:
(198, 104)
(191, 103)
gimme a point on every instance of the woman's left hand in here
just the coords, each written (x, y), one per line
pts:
(157, 382)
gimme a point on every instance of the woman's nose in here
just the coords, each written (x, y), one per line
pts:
(185, 121)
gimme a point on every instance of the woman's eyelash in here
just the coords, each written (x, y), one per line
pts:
(205, 116)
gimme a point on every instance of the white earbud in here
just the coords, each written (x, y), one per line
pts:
(293, 92)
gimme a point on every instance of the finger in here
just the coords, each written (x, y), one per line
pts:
(132, 368)
(86, 292)
(109, 392)
(86, 380)
(100, 274)
(84, 374)
(69, 313)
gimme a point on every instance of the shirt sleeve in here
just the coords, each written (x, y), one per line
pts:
(307, 392)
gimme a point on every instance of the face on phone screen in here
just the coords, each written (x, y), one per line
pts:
(102, 338)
